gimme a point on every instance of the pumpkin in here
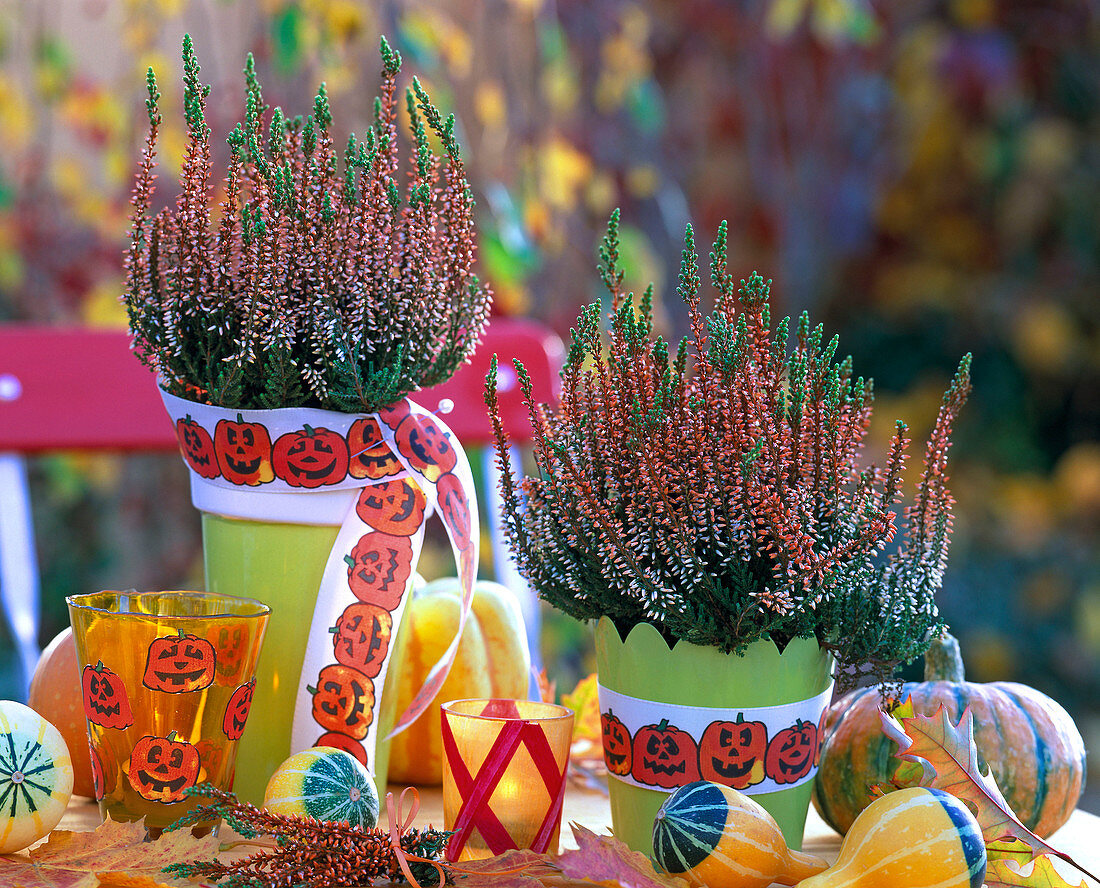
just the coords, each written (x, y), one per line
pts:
(425, 445)
(454, 509)
(310, 458)
(732, 753)
(236, 710)
(179, 664)
(361, 637)
(1029, 742)
(369, 455)
(105, 700)
(717, 837)
(395, 507)
(55, 695)
(36, 776)
(162, 769)
(343, 701)
(197, 447)
(664, 756)
(325, 783)
(617, 750)
(379, 568)
(243, 450)
(917, 837)
(791, 753)
(493, 660)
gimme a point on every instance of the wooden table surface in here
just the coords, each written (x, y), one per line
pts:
(1080, 838)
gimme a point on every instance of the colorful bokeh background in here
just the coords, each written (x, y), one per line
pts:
(922, 176)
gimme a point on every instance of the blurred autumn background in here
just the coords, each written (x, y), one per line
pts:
(924, 177)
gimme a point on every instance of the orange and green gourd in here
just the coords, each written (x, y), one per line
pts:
(1029, 741)
(36, 776)
(325, 783)
(714, 836)
(918, 837)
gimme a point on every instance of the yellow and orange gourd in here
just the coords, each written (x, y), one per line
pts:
(918, 838)
(714, 836)
(493, 660)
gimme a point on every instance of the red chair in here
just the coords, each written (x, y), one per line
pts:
(82, 389)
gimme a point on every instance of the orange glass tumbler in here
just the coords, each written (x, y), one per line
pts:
(504, 767)
(167, 681)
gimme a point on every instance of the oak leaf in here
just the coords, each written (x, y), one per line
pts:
(1012, 865)
(606, 860)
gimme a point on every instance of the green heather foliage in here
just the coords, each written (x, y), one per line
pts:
(718, 492)
(318, 285)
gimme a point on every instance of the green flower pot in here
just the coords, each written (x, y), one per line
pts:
(692, 679)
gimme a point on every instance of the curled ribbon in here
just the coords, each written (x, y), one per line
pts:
(379, 477)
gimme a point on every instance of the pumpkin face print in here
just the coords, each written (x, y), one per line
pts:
(379, 568)
(197, 447)
(163, 768)
(395, 507)
(732, 752)
(343, 701)
(236, 710)
(454, 509)
(310, 458)
(105, 700)
(616, 744)
(344, 742)
(664, 756)
(423, 443)
(369, 455)
(244, 452)
(230, 643)
(393, 414)
(179, 664)
(97, 772)
(791, 753)
(361, 637)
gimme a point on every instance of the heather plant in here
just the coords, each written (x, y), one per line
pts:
(718, 491)
(321, 281)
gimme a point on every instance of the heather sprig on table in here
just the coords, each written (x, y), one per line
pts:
(307, 851)
(718, 491)
(321, 281)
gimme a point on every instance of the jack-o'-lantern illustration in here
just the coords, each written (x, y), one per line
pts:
(425, 445)
(344, 742)
(197, 447)
(343, 701)
(105, 701)
(616, 744)
(379, 568)
(393, 414)
(162, 769)
(310, 458)
(211, 754)
(97, 772)
(230, 642)
(664, 756)
(361, 637)
(395, 507)
(236, 710)
(179, 664)
(244, 452)
(732, 752)
(454, 509)
(791, 753)
(369, 455)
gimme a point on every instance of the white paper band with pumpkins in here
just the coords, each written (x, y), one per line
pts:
(756, 750)
(379, 476)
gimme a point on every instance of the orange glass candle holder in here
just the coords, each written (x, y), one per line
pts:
(167, 680)
(504, 766)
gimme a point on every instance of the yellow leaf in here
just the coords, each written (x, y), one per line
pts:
(1011, 864)
(585, 702)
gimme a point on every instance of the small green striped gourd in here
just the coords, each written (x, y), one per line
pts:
(1030, 743)
(36, 776)
(918, 837)
(325, 783)
(714, 836)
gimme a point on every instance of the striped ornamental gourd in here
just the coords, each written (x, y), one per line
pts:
(1030, 743)
(325, 783)
(716, 837)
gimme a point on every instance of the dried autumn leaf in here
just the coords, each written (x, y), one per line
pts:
(512, 869)
(585, 702)
(606, 860)
(950, 761)
(548, 690)
(1012, 865)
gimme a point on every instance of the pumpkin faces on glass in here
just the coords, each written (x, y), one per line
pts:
(197, 447)
(664, 756)
(617, 754)
(244, 452)
(310, 458)
(343, 701)
(162, 769)
(379, 568)
(179, 664)
(791, 753)
(236, 711)
(361, 637)
(732, 752)
(105, 700)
